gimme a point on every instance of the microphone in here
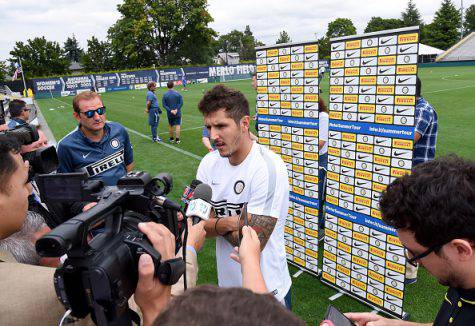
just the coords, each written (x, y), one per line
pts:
(187, 195)
(167, 203)
(199, 207)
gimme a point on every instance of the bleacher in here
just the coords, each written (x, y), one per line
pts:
(462, 51)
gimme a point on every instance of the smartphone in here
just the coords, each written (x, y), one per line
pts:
(336, 317)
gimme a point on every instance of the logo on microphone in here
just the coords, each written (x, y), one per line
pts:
(239, 187)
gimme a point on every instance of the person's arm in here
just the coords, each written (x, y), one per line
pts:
(422, 123)
(149, 104)
(207, 143)
(128, 153)
(165, 103)
(363, 318)
(65, 163)
(130, 167)
(180, 102)
(3, 127)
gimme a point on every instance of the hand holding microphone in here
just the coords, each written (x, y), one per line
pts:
(199, 208)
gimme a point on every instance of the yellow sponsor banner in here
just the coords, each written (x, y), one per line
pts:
(402, 143)
(386, 119)
(396, 267)
(263, 111)
(275, 149)
(291, 210)
(299, 261)
(329, 255)
(344, 247)
(288, 230)
(289, 250)
(297, 146)
(332, 176)
(284, 59)
(296, 89)
(366, 148)
(374, 299)
(274, 97)
(345, 223)
(299, 241)
(378, 252)
(376, 213)
(360, 261)
(311, 178)
(358, 284)
(285, 105)
(264, 141)
(262, 89)
(275, 128)
(287, 158)
(337, 64)
(272, 52)
(273, 75)
(408, 38)
(297, 113)
(335, 115)
(312, 233)
(285, 82)
(405, 100)
(290, 180)
(336, 89)
(296, 66)
(298, 168)
(299, 220)
(378, 187)
(334, 151)
(367, 175)
(406, 70)
(368, 80)
(311, 132)
(346, 188)
(310, 156)
(310, 98)
(362, 201)
(361, 237)
(343, 269)
(369, 52)
(262, 68)
(310, 210)
(389, 60)
(329, 278)
(332, 200)
(286, 137)
(394, 292)
(375, 276)
(310, 48)
(348, 136)
(395, 172)
(394, 240)
(350, 98)
(352, 71)
(366, 108)
(349, 45)
(311, 253)
(311, 73)
(382, 160)
(298, 190)
(385, 90)
(348, 163)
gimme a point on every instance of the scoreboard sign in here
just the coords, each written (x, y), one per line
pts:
(371, 131)
(287, 106)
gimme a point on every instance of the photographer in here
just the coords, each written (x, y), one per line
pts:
(19, 113)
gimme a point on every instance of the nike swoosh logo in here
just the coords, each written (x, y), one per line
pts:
(378, 169)
(404, 50)
(373, 282)
(333, 98)
(346, 145)
(396, 153)
(272, 82)
(272, 60)
(283, 89)
(84, 156)
(273, 135)
(260, 55)
(380, 141)
(309, 163)
(282, 67)
(374, 259)
(336, 47)
(273, 104)
(364, 118)
(347, 108)
(382, 100)
(393, 274)
(386, 40)
(382, 71)
(260, 76)
(359, 210)
(350, 54)
(309, 57)
(309, 187)
(360, 157)
(394, 249)
(294, 74)
(364, 90)
(295, 98)
(349, 80)
(284, 112)
(334, 73)
(332, 160)
(390, 299)
(358, 245)
(295, 130)
(366, 62)
(308, 106)
(295, 50)
(402, 80)
(307, 82)
(261, 97)
(401, 110)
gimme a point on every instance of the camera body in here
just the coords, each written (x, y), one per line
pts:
(101, 274)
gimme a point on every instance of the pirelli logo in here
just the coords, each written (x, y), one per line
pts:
(106, 163)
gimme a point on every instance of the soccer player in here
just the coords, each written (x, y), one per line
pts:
(153, 110)
(172, 101)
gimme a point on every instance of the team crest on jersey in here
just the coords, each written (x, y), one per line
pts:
(239, 187)
(115, 143)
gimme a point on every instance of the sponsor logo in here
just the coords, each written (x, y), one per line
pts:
(106, 163)
(402, 80)
(365, 62)
(351, 54)
(364, 90)
(349, 80)
(86, 155)
(380, 100)
(386, 40)
(382, 71)
(365, 117)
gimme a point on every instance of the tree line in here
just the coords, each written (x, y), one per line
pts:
(162, 32)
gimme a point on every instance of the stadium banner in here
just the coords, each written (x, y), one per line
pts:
(196, 74)
(230, 72)
(47, 87)
(371, 132)
(107, 82)
(170, 74)
(136, 79)
(287, 110)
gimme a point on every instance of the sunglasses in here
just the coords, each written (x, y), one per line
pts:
(412, 258)
(89, 114)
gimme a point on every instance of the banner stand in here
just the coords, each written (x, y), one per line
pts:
(300, 270)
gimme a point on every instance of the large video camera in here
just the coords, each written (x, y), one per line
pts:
(101, 274)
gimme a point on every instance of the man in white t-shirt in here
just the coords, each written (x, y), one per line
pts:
(242, 172)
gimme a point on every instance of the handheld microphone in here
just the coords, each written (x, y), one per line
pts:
(199, 207)
(187, 195)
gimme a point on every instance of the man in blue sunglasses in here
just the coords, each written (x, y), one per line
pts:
(100, 148)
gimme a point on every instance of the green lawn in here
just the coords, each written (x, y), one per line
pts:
(450, 90)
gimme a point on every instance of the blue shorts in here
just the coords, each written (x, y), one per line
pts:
(174, 120)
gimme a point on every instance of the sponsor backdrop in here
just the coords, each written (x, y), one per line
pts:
(109, 82)
(287, 106)
(371, 131)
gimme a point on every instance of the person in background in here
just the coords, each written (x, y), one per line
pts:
(322, 162)
(172, 101)
(19, 113)
(183, 83)
(153, 110)
(205, 139)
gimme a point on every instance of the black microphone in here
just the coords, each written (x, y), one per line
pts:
(199, 207)
(167, 203)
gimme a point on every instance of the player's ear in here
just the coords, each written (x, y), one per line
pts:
(76, 116)
(245, 122)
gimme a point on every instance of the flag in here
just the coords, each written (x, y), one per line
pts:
(17, 71)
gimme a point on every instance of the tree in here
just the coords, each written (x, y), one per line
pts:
(411, 17)
(283, 38)
(162, 31)
(443, 32)
(469, 23)
(243, 43)
(40, 57)
(323, 48)
(98, 56)
(340, 27)
(3, 71)
(72, 49)
(380, 24)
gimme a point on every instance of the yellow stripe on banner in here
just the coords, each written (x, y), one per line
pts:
(376, 213)
(405, 100)
(358, 284)
(261, 68)
(289, 230)
(350, 98)
(275, 128)
(402, 143)
(311, 210)
(296, 66)
(362, 201)
(299, 221)
(387, 61)
(406, 70)
(311, 48)
(332, 176)
(386, 119)
(408, 38)
(311, 132)
(274, 97)
(363, 174)
(272, 52)
(289, 250)
(374, 299)
(311, 253)
(382, 160)
(328, 255)
(299, 241)
(298, 190)
(334, 151)
(395, 172)
(297, 113)
(264, 111)
(264, 141)
(297, 146)
(285, 82)
(296, 89)
(330, 233)
(312, 233)
(287, 158)
(352, 71)
(396, 267)
(310, 98)
(348, 137)
(299, 261)
(310, 156)
(284, 59)
(360, 261)
(336, 89)
(328, 277)
(394, 292)
(394, 240)
(311, 178)
(387, 90)
(356, 44)
(286, 137)
(343, 269)
(361, 237)
(378, 187)
(273, 75)
(298, 168)
(311, 73)
(348, 163)
(345, 223)
(378, 252)
(262, 90)
(285, 105)
(366, 148)
(368, 80)
(336, 64)
(375, 276)
(347, 188)
(369, 52)
(344, 247)
(335, 115)
(366, 108)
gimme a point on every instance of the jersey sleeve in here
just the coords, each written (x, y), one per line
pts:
(203, 168)
(269, 190)
(149, 97)
(423, 119)
(128, 150)
(165, 102)
(65, 160)
(323, 126)
(180, 101)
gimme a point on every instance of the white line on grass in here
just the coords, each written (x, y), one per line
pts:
(194, 128)
(449, 89)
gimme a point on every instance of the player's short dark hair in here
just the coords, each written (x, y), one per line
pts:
(16, 107)
(209, 305)
(436, 201)
(418, 86)
(221, 97)
(8, 166)
(84, 96)
(254, 74)
(170, 84)
(151, 84)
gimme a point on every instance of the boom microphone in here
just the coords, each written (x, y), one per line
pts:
(199, 207)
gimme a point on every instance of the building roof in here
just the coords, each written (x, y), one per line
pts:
(462, 51)
(428, 50)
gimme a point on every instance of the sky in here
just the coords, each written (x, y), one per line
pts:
(304, 20)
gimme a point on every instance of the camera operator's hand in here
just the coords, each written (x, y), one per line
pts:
(3, 127)
(151, 295)
(196, 234)
(89, 206)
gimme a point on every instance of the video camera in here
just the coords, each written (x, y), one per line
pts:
(100, 275)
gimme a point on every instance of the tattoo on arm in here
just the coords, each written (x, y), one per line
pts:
(263, 225)
(232, 238)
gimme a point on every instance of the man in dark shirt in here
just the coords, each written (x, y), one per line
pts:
(19, 113)
(433, 212)
(172, 101)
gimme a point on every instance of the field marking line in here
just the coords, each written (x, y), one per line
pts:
(335, 296)
(54, 98)
(449, 89)
(197, 157)
(194, 128)
(298, 273)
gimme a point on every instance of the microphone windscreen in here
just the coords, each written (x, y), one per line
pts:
(203, 191)
(195, 183)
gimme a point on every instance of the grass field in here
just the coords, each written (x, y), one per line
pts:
(450, 90)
